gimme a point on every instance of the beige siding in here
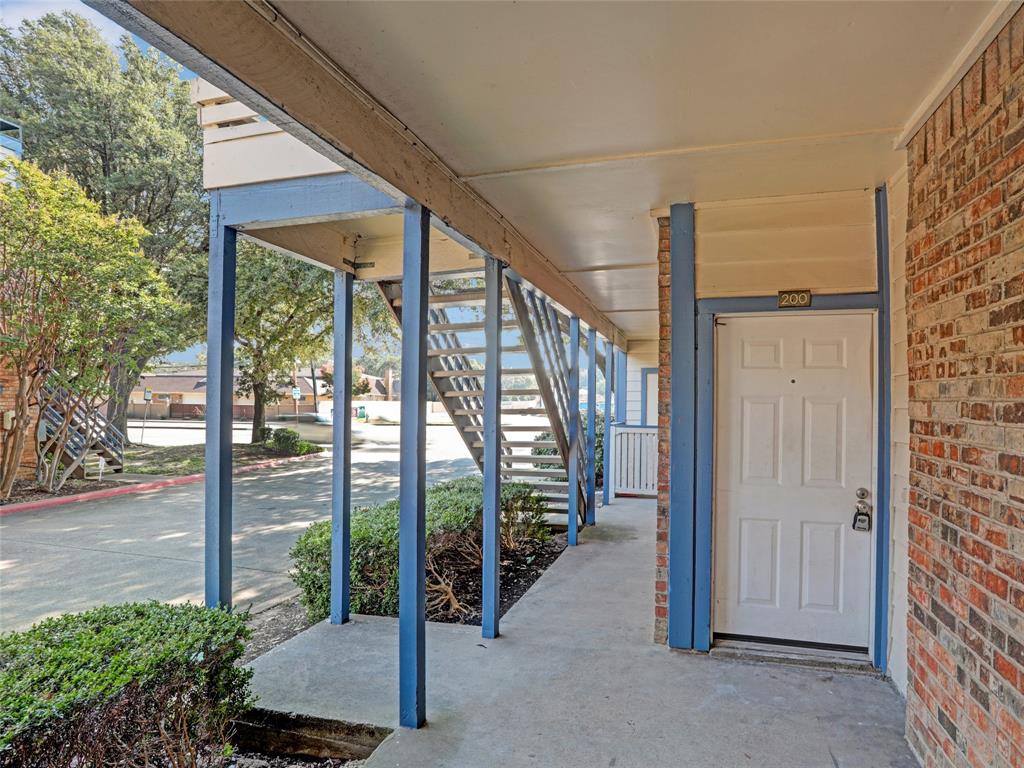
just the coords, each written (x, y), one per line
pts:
(900, 425)
(235, 137)
(823, 242)
(640, 354)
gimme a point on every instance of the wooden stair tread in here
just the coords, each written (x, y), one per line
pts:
(505, 411)
(476, 325)
(457, 351)
(474, 374)
(532, 473)
(504, 393)
(526, 458)
(459, 299)
(507, 428)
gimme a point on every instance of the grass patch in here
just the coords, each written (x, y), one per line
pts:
(177, 460)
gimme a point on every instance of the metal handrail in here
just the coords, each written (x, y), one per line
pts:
(88, 427)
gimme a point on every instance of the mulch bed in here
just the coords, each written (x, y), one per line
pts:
(27, 490)
(252, 760)
(273, 626)
(519, 570)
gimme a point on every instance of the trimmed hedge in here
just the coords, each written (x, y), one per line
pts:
(287, 442)
(123, 685)
(454, 540)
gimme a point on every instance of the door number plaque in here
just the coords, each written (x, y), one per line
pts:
(788, 299)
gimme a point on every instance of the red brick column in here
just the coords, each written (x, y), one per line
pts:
(664, 410)
(9, 385)
(965, 301)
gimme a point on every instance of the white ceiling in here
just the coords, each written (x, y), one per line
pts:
(576, 119)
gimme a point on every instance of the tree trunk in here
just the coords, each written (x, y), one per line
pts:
(122, 382)
(14, 441)
(259, 412)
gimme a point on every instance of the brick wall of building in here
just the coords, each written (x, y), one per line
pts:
(965, 312)
(664, 372)
(8, 386)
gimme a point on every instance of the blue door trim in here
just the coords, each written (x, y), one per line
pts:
(620, 384)
(692, 554)
(644, 373)
(883, 508)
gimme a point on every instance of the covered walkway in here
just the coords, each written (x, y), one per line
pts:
(575, 680)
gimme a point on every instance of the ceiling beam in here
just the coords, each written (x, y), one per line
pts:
(610, 267)
(250, 50)
(575, 163)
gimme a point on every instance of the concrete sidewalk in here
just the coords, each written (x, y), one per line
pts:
(149, 545)
(575, 680)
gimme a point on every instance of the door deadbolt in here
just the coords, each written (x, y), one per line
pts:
(862, 516)
(863, 493)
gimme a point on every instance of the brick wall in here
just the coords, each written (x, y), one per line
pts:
(9, 384)
(664, 383)
(965, 313)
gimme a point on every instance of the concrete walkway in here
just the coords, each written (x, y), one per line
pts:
(575, 680)
(149, 545)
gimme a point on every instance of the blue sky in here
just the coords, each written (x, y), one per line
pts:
(13, 12)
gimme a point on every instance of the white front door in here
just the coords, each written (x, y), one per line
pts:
(794, 407)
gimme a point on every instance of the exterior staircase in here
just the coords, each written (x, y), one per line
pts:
(535, 395)
(91, 436)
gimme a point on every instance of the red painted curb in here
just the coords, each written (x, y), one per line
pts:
(106, 493)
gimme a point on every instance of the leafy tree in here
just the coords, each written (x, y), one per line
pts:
(66, 270)
(125, 129)
(283, 313)
(373, 325)
(360, 386)
(376, 360)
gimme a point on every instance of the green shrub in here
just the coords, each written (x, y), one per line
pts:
(598, 449)
(454, 538)
(288, 443)
(125, 685)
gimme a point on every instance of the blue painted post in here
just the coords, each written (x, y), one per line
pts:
(341, 459)
(412, 468)
(882, 507)
(609, 357)
(591, 426)
(574, 429)
(620, 385)
(681, 502)
(220, 380)
(492, 450)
